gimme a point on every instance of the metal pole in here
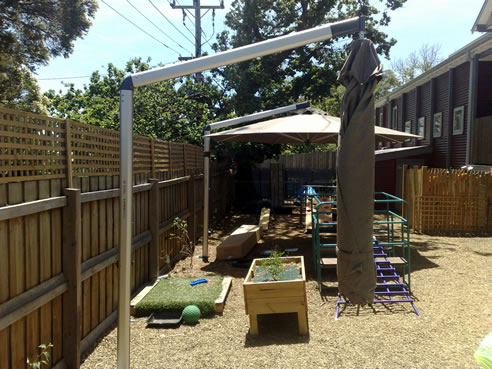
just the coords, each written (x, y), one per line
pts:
(126, 174)
(206, 189)
(198, 29)
(275, 45)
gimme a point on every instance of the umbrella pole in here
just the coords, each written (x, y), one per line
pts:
(206, 189)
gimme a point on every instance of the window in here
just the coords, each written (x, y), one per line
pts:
(436, 125)
(421, 127)
(394, 117)
(408, 126)
(381, 123)
(458, 115)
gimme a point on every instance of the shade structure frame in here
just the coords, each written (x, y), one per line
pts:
(290, 41)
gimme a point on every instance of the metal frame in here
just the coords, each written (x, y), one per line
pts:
(206, 157)
(391, 242)
(290, 41)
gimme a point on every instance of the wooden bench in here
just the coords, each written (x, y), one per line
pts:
(239, 243)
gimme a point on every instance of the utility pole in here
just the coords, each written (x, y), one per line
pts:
(198, 20)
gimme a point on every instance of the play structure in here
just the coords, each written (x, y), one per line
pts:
(391, 245)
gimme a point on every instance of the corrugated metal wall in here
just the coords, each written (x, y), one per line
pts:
(460, 98)
(409, 114)
(484, 96)
(385, 176)
(441, 106)
(425, 110)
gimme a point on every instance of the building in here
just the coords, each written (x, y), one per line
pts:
(450, 106)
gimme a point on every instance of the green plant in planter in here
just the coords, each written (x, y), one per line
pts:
(273, 265)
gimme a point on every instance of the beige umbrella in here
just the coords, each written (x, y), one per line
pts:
(301, 128)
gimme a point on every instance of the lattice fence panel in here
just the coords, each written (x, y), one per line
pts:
(446, 214)
(32, 147)
(448, 201)
(177, 156)
(142, 155)
(190, 157)
(95, 150)
(161, 156)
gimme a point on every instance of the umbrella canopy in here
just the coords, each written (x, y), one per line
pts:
(356, 270)
(301, 128)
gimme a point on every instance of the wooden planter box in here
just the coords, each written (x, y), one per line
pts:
(276, 296)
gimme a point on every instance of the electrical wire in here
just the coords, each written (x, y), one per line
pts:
(213, 30)
(88, 76)
(171, 23)
(148, 34)
(164, 33)
(184, 24)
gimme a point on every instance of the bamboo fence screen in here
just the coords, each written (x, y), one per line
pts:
(448, 201)
(59, 247)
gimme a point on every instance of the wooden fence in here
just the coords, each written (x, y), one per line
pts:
(448, 201)
(311, 160)
(59, 246)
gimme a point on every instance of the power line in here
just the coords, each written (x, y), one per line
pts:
(148, 34)
(60, 78)
(184, 24)
(213, 30)
(164, 33)
(88, 76)
(171, 23)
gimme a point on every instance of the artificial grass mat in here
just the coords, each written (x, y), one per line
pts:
(176, 294)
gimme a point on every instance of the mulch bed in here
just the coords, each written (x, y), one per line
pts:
(451, 283)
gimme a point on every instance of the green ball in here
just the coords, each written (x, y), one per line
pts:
(191, 314)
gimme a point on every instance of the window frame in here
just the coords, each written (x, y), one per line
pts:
(394, 117)
(409, 122)
(434, 135)
(456, 110)
(381, 119)
(419, 131)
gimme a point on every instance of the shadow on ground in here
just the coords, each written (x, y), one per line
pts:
(276, 329)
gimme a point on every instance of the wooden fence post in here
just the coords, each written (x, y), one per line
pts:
(154, 218)
(72, 261)
(191, 208)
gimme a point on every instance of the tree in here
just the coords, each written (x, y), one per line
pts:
(387, 84)
(19, 89)
(308, 71)
(30, 33)
(175, 110)
(33, 31)
(416, 63)
(404, 70)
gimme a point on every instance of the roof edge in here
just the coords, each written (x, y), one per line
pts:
(465, 52)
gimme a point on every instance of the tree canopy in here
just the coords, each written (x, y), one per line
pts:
(33, 31)
(404, 70)
(307, 72)
(175, 110)
(30, 33)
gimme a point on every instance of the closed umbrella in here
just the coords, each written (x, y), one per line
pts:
(356, 270)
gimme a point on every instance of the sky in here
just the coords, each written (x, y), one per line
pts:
(112, 39)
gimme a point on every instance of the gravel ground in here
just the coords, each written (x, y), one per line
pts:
(451, 282)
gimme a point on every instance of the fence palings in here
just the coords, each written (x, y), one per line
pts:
(37, 291)
(448, 201)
